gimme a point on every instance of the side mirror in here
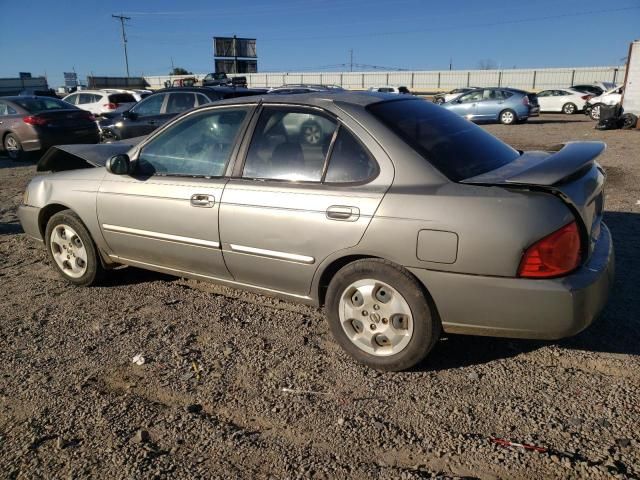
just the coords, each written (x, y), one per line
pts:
(119, 164)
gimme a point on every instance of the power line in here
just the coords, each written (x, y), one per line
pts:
(122, 18)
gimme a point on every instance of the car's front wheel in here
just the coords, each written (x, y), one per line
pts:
(71, 249)
(569, 108)
(508, 117)
(439, 100)
(379, 313)
(594, 113)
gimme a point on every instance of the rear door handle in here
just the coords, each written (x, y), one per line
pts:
(202, 200)
(344, 213)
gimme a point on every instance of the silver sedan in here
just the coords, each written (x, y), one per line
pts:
(402, 219)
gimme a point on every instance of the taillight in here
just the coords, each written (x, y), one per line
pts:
(35, 120)
(554, 255)
(525, 101)
(586, 97)
(110, 106)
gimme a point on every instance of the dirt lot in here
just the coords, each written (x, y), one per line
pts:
(208, 402)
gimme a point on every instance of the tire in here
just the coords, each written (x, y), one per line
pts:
(439, 100)
(569, 108)
(398, 333)
(71, 249)
(629, 121)
(508, 117)
(13, 147)
(594, 112)
(311, 133)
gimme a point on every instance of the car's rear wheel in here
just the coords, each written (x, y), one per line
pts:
(13, 147)
(439, 100)
(508, 117)
(379, 314)
(72, 250)
(594, 113)
(569, 108)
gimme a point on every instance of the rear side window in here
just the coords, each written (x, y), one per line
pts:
(180, 102)
(43, 104)
(289, 144)
(455, 146)
(121, 98)
(72, 99)
(349, 162)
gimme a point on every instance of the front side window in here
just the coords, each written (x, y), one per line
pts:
(471, 97)
(199, 145)
(4, 110)
(289, 144)
(150, 105)
(180, 102)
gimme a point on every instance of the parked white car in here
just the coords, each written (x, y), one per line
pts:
(100, 101)
(390, 89)
(610, 97)
(565, 100)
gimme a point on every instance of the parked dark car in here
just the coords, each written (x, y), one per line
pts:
(30, 92)
(160, 107)
(31, 124)
(220, 79)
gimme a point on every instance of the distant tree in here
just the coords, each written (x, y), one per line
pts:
(487, 64)
(180, 71)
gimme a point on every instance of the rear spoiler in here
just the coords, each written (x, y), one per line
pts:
(543, 168)
(72, 157)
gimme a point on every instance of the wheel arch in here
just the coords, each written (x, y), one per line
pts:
(46, 213)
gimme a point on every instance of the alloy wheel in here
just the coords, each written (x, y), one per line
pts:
(68, 251)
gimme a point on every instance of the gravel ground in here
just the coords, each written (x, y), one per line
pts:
(209, 403)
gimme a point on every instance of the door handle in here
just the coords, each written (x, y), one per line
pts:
(340, 212)
(202, 200)
(151, 122)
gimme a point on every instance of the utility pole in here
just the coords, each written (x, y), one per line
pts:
(450, 63)
(122, 18)
(351, 59)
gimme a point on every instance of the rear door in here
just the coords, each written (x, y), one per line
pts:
(165, 215)
(302, 194)
(491, 104)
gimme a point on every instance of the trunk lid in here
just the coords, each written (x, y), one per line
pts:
(70, 119)
(571, 173)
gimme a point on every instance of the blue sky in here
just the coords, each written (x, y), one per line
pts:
(45, 37)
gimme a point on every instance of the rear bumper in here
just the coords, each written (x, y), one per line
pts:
(45, 140)
(28, 217)
(534, 111)
(524, 308)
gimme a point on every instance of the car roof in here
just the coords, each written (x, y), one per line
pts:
(201, 89)
(314, 99)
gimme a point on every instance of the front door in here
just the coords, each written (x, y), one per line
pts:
(304, 192)
(466, 104)
(143, 118)
(166, 213)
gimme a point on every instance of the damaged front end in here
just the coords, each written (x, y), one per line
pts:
(73, 157)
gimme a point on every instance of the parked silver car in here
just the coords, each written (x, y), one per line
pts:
(403, 219)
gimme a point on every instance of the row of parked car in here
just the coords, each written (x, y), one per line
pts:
(509, 105)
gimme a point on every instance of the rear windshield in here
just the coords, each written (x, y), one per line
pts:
(42, 104)
(121, 98)
(452, 144)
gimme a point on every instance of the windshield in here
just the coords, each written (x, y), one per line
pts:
(42, 104)
(452, 144)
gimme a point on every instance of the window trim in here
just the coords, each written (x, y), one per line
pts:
(232, 155)
(162, 105)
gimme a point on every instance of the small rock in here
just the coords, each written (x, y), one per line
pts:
(141, 436)
(60, 443)
(473, 376)
(341, 421)
(575, 422)
(623, 442)
(194, 408)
